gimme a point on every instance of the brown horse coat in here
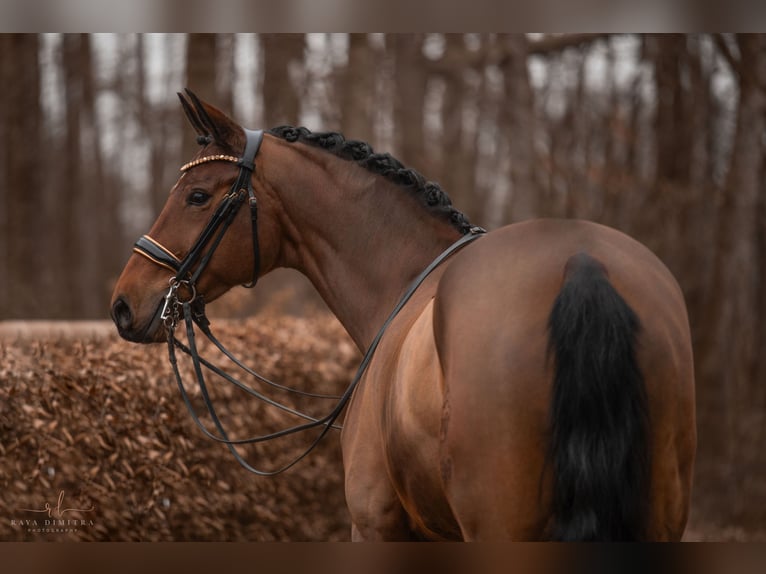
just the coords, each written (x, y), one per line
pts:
(454, 413)
(539, 383)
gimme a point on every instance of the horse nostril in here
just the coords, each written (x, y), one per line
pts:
(121, 314)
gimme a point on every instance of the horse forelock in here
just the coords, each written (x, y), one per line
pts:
(430, 193)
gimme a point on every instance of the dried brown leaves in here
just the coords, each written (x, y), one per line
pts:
(102, 421)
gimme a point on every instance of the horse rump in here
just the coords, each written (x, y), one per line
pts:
(599, 443)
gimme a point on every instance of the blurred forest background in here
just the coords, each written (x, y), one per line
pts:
(661, 136)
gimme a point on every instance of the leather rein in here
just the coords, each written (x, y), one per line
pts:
(189, 306)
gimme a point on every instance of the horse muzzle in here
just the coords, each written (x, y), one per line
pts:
(124, 317)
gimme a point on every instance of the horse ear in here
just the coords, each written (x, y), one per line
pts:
(191, 115)
(211, 122)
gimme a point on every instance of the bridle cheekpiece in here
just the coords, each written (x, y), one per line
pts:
(188, 270)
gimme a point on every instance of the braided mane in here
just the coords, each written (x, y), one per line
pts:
(428, 192)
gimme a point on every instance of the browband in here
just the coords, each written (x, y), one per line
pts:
(207, 158)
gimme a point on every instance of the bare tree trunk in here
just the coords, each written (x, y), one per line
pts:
(26, 241)
(633, 128)
(157, 123)
(759, 389)
(99, 240)
(671, 125)
(699, 112)
(200, 65)
(453, 171)
(6, 202)
(224, 77)
(697, 215)
(487, 110)
(525, 200)
(730, 353)
(409, 95)
(281, 99)
(200, 76)
(91, 230)
(613, 128)
(583, 196)
(72, 186)
(358, 87)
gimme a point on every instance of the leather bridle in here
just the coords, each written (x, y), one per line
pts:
(188, 270)
(191, 308)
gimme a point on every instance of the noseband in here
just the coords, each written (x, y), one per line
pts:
(186, 274)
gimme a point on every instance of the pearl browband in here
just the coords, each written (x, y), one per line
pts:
(207, 158)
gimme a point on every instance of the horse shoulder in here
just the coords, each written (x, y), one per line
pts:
(412, 430)
(393, 426)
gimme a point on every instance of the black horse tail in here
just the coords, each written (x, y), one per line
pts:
(599, 445)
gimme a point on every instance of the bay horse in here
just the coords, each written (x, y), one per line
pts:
(538, 384)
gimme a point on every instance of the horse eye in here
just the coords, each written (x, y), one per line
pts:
(198, 198)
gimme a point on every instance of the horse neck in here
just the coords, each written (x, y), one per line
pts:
(358, 237)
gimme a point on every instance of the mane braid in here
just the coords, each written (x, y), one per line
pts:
(429, 193)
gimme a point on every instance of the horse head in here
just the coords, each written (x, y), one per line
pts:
(206, 239)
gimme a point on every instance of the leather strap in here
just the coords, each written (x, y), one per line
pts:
(254, 140)
(157, 253)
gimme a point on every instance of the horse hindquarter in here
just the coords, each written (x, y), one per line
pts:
(502, 451)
